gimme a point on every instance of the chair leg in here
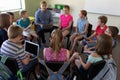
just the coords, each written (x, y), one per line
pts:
(68, 42)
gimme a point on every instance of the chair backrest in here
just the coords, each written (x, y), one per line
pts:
(12, 65)
(89, 30)
(50, 67)
(5, 73)
(95, 68)
(57, 65)
(108, 72)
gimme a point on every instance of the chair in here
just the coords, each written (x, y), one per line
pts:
(95, 68)
(54, 66)
(68, 36)
(89, 30)
(12, 65)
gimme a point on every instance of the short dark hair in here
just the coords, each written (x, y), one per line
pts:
(84, 12)
(103, 19)
(11, 13)
(67, 6)
(104, 45)
(23, 12)
(114, 31)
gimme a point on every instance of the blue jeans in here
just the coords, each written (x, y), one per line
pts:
(92, 44)
(31, 64)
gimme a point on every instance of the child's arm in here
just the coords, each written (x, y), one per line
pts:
(60, 24)
(28, 27)
(91, 36)
(85, 65)
(26, 60)
(68, 54)
(74, 56)
(44, 53)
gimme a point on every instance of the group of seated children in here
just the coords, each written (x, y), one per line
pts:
(11, 38)
(14, 48)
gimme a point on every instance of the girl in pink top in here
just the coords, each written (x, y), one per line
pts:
(66, 20)
(55, 52)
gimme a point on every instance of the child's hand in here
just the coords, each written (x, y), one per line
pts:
(87, 39)
(28, 55)
(76, 55)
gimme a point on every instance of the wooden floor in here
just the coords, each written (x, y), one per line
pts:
(115, 53)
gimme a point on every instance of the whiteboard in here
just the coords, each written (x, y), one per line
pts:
(111, 7)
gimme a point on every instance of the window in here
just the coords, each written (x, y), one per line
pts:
(11, 5)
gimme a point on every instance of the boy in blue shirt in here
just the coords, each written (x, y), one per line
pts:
(43, 17)
(24, 22)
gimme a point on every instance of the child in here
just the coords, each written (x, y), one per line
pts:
(81, 29)
(113, 32)
(5, 22)
(14, 48)
(103, 50)
(55, 52)
(91, 41)
(24, 22)
(66, 21)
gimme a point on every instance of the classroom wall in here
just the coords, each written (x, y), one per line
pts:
(77, 5)
(31, 6)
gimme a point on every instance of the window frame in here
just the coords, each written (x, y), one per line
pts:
(22, 3)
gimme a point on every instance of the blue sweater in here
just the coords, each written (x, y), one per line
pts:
(3, 36)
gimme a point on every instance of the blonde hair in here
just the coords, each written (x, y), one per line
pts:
(43, 2)
(56, 40)
(14, 31)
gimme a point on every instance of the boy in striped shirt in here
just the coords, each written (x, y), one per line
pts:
(14, 48)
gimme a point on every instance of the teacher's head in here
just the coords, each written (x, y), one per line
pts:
(43, 5)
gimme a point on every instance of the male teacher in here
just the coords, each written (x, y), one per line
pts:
(43, 18)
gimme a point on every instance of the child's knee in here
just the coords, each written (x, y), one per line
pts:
(71, 38)
(76, 39)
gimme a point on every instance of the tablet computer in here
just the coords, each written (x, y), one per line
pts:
(31, 48)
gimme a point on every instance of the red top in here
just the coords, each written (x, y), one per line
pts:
(100, 30)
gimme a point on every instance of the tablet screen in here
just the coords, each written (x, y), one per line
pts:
(31, 47)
